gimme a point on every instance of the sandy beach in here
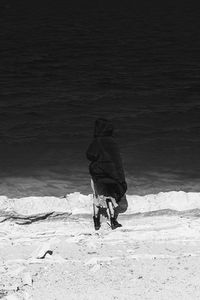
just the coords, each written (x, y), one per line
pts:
(64, 65)
(155, 255)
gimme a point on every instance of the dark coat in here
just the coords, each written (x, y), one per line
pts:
(106, 167)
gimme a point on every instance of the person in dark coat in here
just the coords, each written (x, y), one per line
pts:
(106, 169)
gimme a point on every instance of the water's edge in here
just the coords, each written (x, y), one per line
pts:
(79, 204)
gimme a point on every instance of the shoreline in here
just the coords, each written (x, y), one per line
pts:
(79, 204)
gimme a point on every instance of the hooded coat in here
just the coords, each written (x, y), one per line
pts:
(106, 167)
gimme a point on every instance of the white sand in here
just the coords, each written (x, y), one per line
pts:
(155, 255)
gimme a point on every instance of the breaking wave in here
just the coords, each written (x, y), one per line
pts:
(30, 209)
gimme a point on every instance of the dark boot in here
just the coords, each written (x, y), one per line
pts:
(97, 224)
(114, 224)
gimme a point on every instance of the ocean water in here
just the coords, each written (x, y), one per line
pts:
(62, 67)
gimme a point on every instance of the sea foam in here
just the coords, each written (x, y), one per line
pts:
(77, 203)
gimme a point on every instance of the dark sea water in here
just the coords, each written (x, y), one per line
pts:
(62, 67)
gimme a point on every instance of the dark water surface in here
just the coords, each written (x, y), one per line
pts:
(62, 67)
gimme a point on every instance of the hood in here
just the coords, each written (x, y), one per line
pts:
(103, 127)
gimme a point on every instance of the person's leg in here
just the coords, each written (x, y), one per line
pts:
(96, 217)
(110, 208)
(96, 212)
(113, 218)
